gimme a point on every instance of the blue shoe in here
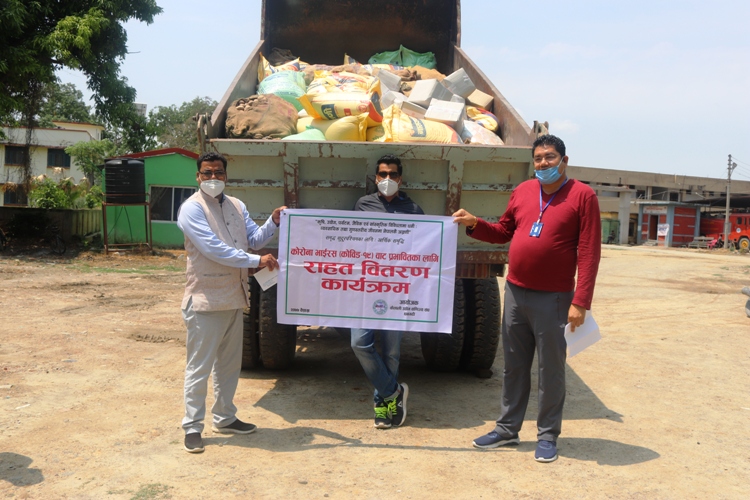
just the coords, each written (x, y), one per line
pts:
(493, 440)
(546, 451)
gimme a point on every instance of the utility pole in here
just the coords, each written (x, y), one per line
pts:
(727, 225)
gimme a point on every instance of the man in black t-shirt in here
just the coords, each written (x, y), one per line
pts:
(382, 369)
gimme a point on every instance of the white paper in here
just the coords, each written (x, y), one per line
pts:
(584, 336)
(267, 278)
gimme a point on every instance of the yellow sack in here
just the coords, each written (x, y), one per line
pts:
(376, 134)
(341, 82)
(347, 129)
(334, 105)
(400, 127)
(483, 117)
(265, 69)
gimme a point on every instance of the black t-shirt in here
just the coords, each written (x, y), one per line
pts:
(400, 204)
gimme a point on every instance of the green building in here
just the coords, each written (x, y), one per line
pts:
(170, 180)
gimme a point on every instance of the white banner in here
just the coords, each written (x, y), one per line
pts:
(367, 270)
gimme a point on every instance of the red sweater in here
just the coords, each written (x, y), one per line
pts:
(570, 238)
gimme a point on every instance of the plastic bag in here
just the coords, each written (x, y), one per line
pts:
(400, 127)
(289, 85)
(311, 134)
(411, 58)
(393, 57)
(404, 57)
(483, 117)
(474, 133)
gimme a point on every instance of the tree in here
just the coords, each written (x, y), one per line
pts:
(174, 126)
(63, 103)
(43, 36)
(91, 155)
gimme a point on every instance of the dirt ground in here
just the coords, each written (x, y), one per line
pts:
(92, 358)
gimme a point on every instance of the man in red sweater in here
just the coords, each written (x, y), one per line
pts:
(553, 225)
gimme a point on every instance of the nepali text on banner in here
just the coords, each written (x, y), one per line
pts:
(367, 270)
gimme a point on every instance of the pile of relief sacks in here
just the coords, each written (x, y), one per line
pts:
(397, 96)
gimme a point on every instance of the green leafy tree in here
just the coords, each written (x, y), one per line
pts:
(174, 126)
(63, 103)
(41, 36)
(91, 155)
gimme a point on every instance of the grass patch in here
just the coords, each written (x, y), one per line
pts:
(152, 491)
(146, 269)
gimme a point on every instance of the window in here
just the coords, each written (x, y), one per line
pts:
(14, 195)
(165, 201)
(58, 158)
(15, 155)
(674, 196)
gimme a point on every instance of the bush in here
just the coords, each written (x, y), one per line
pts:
(48, 194)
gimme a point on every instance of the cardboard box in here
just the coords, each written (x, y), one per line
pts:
(390, 97)
(389, 81)
(459, 83)
(413, 110)
(480, 100)
(458, 99)
(426, 90)
(450, 113)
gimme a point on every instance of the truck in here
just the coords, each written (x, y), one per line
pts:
(712, 226)
(441, 178)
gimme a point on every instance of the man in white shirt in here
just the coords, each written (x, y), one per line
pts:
(218, 235)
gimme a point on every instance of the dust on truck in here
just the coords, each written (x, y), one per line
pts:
(333, 175)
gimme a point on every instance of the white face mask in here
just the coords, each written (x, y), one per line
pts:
(213, 188)
(388, 187)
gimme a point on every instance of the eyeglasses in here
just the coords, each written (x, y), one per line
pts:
(550, 158)
(393, 175)
(207, 174)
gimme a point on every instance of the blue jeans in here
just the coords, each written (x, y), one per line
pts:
(382, 371)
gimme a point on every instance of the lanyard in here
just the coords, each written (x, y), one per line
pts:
(543, 208)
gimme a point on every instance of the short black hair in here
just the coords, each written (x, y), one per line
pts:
(211, 156)
(549, 140)
(390, 159)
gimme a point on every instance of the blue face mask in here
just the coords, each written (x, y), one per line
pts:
(549, 175)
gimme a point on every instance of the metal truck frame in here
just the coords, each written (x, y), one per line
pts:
(333, 175)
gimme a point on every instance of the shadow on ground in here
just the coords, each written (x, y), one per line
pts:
(327, 382)
(14, 468)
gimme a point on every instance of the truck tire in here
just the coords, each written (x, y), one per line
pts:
(743, 244)
(482, 334)
(278, 343)
(250, 321)
(441, 351)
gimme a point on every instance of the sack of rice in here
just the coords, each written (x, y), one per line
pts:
(289, 85)
(376, 134)
(400, 127)
(311, 134)
(483, 117)
(474, 133)
(265, 69)
(334, 105)
(261, 116)
(346, 129)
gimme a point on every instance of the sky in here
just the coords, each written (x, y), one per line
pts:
(641, 85)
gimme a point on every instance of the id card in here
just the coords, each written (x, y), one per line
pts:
(536, 229)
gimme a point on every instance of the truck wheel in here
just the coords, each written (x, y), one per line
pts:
(482, 334)
(744, 244)
(277, 342)
(250, 346)
(442, 351)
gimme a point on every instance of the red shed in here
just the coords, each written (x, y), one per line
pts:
(668, 223)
